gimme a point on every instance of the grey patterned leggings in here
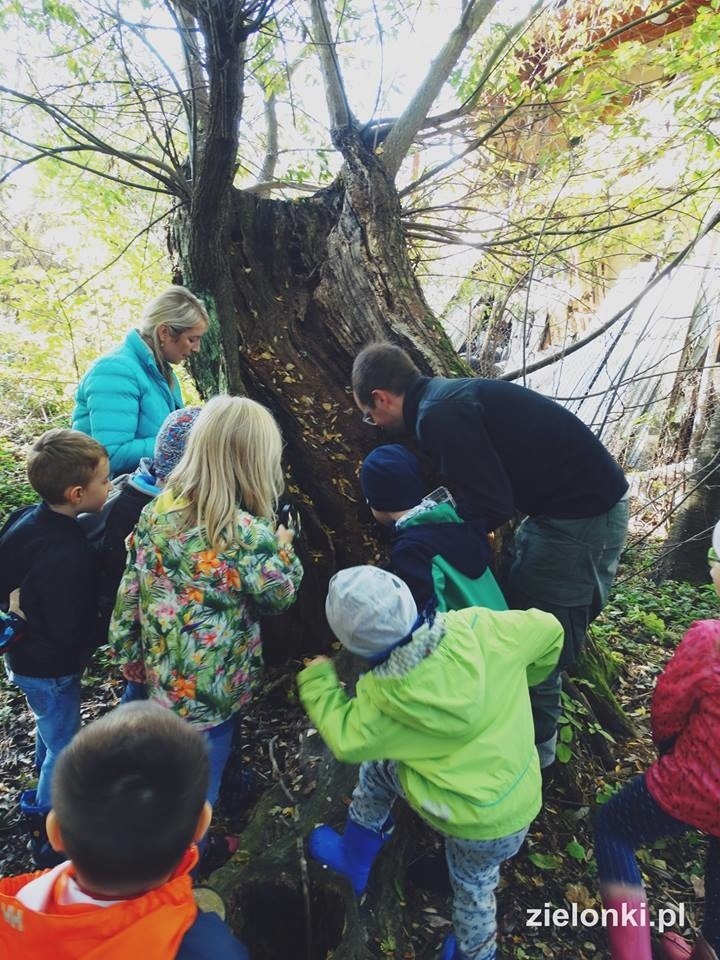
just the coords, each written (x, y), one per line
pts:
(474, 865)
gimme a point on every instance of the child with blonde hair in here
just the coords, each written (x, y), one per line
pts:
(204, 561)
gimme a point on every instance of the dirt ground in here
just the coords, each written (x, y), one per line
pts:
(554, 870)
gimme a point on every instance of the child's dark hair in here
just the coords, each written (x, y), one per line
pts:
(128, 792)
(60, 459)
(382, 366)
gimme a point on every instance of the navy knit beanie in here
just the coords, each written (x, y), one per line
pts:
(391, 479)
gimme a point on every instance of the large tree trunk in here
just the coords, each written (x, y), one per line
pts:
(313, 281)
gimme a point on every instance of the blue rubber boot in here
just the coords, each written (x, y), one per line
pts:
(42, 853)
(352, 853)
(450, 949)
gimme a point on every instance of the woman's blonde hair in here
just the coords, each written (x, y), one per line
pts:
(233, 458)
(178, 309)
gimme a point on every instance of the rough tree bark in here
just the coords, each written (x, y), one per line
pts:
(685, 551)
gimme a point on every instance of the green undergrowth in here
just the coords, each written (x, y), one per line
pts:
(15, 491)
(639, 629)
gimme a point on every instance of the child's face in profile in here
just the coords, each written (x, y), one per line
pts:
(94, 493)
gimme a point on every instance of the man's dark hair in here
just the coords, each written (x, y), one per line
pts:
(60, 459)
(127, 793)
(382, 366)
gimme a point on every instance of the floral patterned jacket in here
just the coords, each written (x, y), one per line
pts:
(189, 614)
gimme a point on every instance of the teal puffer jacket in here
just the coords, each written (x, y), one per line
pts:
(122, 401)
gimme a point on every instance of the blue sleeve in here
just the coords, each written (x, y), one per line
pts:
(413, 565)
(112, 393)
(210, 939)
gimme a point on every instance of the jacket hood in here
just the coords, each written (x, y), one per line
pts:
(448, 685)
(151, 925)
(143, 478)
(439, 530)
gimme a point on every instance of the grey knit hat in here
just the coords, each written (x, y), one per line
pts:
(369, 610)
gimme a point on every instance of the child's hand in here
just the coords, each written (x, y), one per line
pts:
(14, 604)
(134, 672)
(284, 536)
(320, 659)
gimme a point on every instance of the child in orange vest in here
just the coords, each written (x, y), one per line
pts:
(128, 805)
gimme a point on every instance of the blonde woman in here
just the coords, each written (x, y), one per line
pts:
(204, 561)
(125, 396)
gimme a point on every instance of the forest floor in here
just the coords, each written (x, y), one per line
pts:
(555, 868)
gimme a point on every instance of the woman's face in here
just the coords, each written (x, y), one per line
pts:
(177, 347)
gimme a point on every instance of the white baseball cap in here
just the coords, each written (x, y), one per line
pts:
(369, 609)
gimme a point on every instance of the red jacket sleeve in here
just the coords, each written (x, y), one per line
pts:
(686, 678)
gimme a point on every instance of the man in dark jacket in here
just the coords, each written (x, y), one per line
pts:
(503, 448)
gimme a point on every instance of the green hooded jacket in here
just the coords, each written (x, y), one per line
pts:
(458, 724)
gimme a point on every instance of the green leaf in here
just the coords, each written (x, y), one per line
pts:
(563, 753)
(545, 861)
(575, 850)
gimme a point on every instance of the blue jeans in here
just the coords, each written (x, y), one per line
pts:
(219, 740)
(55, 702)
(474, 865)
(133, 691)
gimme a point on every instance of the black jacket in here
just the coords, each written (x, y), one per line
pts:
(47, 555)
(123, 514)
(463, 546)
(502, 447)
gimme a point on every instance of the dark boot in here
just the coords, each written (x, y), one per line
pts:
(34, 817)
(351, 853)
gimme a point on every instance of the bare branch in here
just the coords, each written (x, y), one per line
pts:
(403, 133)
(83, 137)
(710, 225)
(141, 233)
(341, 116)
(267, 171)
(521, 101)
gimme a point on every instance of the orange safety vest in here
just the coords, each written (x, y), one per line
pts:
(149, 926)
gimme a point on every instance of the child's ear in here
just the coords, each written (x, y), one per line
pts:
(74, 495)
(52, 828)
(202, 824)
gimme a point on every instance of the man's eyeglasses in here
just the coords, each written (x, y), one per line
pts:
(368, 418)
(712, 556)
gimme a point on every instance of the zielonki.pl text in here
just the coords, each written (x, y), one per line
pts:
(626, 916)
